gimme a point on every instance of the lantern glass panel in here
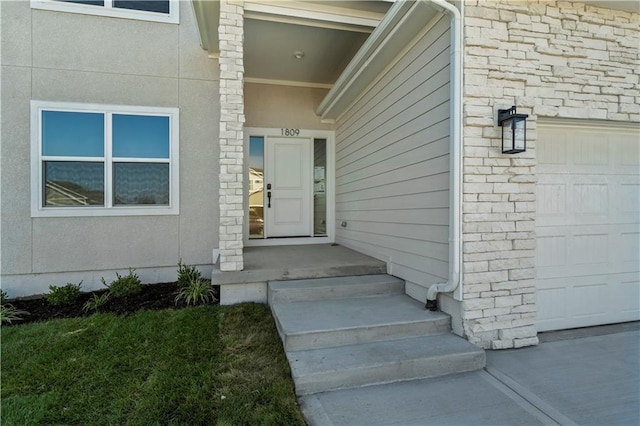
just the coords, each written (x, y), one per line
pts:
(519, 134)
(507, 136)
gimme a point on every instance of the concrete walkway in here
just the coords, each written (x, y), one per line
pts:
(586, 378)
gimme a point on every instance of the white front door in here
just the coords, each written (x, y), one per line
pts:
(287, 187)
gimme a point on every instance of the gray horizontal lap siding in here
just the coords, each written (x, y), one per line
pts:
(392, 164)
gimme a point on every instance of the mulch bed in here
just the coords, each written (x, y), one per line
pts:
(152, 297)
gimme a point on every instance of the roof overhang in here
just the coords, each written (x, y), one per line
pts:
(207, 15)
(395, 33)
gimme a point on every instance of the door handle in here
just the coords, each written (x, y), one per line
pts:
(268, 195)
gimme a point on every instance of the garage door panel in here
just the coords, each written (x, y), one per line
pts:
(585, 200)
(572, 301)
(588, 298)
(588, 153)
(591, 199)
(629, 200)
(551, 303)
(589, 252)
(587, 225)
(630, 245)
(589, 150)
(552, 199)
(551, 253)
(552, 152)
(585, 301)
(628, 152)
(628, 298)
(564, 251)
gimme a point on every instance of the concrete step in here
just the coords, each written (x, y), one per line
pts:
(334, 288)
(321, 370)
(339, 322)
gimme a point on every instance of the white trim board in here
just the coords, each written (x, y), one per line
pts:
(292, 83)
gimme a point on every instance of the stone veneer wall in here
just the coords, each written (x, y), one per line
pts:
(552, 59)
(231, 35)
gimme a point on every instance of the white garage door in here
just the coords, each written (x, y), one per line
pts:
(588, 224)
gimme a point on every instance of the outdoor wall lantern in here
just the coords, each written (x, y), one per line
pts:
(514, 130)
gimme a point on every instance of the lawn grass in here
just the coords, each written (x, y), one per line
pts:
(196, 366)
(255, 385)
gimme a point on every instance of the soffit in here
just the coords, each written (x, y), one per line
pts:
(625, 5)
(269, 52)
(328, 33)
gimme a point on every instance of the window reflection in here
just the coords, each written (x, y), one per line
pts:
(73, 183)
(91, 2)
(72, 134)
(146, 5)
(140, 136)
(319, 187)
(161, 6)
(256, 187)
(141, 183)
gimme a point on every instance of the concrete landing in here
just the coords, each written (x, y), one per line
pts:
(300, 262)
(263, 264)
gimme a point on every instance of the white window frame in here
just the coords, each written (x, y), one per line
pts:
(37, 193)
(109, 10)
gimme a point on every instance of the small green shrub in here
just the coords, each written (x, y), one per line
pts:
(3, 297)
(186, 274)
(124, 285)
(64, 295)
(197, 291)
(96, 302)
(9, 313)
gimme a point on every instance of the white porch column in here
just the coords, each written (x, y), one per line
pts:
(231, 35)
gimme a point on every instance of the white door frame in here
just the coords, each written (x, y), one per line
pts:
(329, 184)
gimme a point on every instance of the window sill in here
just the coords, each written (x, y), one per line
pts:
(103, 212)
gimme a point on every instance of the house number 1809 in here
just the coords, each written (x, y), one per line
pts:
(290, 132)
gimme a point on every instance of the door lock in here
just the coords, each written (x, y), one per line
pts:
(268, 195)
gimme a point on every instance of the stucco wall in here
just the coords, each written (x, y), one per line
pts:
(55, 56)
(551, 59)
(392, 165)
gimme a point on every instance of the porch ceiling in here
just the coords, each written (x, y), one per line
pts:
(270, 47)
(626, 5)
